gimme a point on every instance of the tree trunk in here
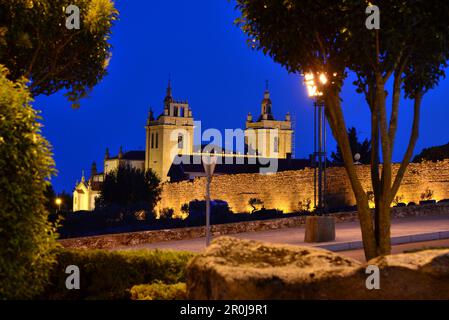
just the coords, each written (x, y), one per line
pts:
(383, 203)
(375, 179)
(376, 236)
(384, 246)
(338, 126)
(366, 225)
(411, 145)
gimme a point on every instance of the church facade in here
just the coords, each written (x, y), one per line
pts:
(88, 190)
(171, 135)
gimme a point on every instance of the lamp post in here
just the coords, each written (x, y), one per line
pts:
(58, 202)
(319, 228)
(209, 163)
(319, 152)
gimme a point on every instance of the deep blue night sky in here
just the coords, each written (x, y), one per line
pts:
(211, 66)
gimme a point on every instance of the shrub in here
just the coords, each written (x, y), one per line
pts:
(111, 274)
(166, 213)
(255, 203)
(397, 200)
(185, 209)
(27, 238)
(219, 209)
(304, 206)
(159, 291)
(427, 195)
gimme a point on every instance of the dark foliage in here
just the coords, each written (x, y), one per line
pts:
(127, 190)
(361, 147)
(89, 223)
(34, 43)
(433, 154)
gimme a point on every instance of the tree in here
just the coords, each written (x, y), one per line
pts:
(128, 187)
(362, 148)
(329, 37)
(38, 55)
(253, 202)
(50, 197)
(67, 201)
(25, 167)
(433, 154)
(35, 44)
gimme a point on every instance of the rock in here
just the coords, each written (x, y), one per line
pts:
(243, 269)
(419, 275)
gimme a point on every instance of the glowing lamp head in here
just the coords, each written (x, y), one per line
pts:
(58, 201)
(323, 79)
(312, 88)
(309, 80)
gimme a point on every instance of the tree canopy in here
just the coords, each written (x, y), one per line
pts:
(35, 44)
(363, 148)
(330, 37)
(437, 153)
(127, 186)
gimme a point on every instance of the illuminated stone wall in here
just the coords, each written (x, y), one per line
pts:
(284, 190)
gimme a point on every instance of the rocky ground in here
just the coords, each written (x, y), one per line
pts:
(244, 269)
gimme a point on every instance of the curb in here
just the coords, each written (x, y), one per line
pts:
(355, 245)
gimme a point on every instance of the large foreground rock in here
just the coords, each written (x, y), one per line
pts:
(242, 269)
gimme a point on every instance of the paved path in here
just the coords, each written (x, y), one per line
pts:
(348, 235)
(360, 255)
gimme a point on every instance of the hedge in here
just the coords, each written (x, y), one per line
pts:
(159, 291)
(108, 275)
(27, 239)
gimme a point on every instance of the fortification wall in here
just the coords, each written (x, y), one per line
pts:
(285, 190)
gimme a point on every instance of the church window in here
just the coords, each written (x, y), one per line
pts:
(181, 111)
(157, 140)
(175, 111)
(276, 144)
(180, 141)
(152, 141)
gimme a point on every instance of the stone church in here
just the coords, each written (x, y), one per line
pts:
(170, 136)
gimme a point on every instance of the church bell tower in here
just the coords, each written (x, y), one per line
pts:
(268, 137)
(168, 135)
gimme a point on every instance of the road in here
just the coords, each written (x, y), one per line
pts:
(345, 233)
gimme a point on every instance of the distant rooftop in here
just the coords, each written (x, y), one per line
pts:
(233, 165)
(132, 155)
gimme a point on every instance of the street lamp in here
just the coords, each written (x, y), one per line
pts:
(314, 83)
(209, 163)
(58, 202)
